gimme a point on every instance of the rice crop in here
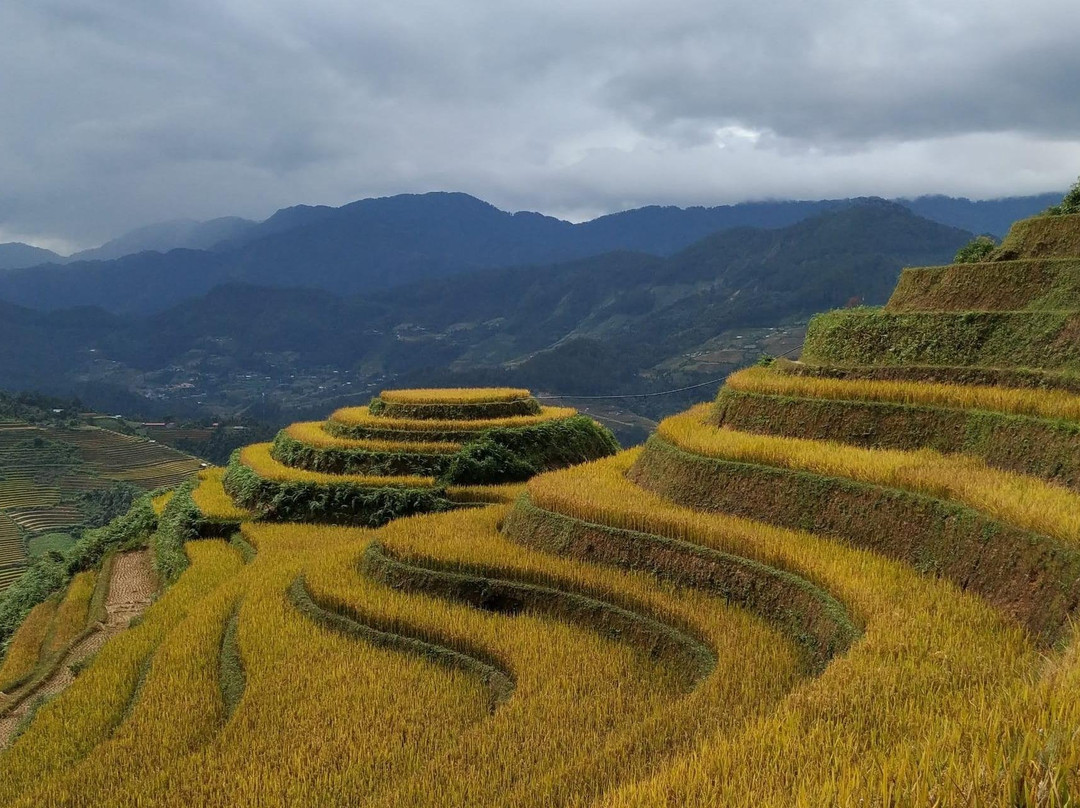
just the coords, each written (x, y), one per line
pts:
(342, 744)
(313, 433)
(362, 417)
(1024, 501)
(210, 498)
(72, 615)
(1057, 404)
(45, 520)
(67, 728)
(11, 546)
(485, 494)
(9, 573)
(923, 708)
(24, 650)
(177, 710)
(160, 502)
(257, 457)
(23, 492)
(115, 456)
(459, 395)
(587, 710)
(561, 737)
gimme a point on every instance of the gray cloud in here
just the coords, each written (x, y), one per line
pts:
(117, 114)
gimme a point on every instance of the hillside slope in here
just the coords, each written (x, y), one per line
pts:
(60, 476)
(850, 580)
(641, 308)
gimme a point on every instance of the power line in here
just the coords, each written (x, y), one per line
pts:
(662, 392)
(643, 395)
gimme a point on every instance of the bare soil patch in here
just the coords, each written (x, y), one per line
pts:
(132, 585)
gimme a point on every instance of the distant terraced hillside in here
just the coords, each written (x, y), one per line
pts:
(47, 471)
(850, 580)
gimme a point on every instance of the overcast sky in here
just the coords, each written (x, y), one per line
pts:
(119, 113)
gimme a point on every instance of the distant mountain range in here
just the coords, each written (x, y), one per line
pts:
(160, 237)
(14, 255)
(376, 244)
(593, 324)
(178, 234)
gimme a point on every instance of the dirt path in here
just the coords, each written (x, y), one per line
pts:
(131, 589)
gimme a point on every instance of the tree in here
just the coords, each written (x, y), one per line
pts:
(1070, 204)
(978, 249)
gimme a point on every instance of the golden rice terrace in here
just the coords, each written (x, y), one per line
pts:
(849, 580)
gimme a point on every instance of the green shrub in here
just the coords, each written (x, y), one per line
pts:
(338, 503)
(976, 250)
(486, 462)
(179, 524)
(291, 452)
(1070, 204)
(512, 455)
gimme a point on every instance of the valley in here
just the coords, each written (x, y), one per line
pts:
(851, 574)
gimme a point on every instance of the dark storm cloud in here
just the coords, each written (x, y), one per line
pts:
(859, 71)
(116, 114)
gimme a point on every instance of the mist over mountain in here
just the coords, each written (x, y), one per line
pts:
(15, 255)
(165, 236)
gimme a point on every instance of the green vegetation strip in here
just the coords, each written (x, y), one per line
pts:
(231, 675)
(507, 454)
(454, 411)
(179, 524)
(496, 678)
(490, 457)
(1055, 236)
(1000, 286)
(816, 621)
(1026, 378)
(1043, 339)
(336, 503)
(246, 549)
(1033, 578)
(98, 611)
(489, 590)
(1040, 447)
(333, 460)
(140, 682)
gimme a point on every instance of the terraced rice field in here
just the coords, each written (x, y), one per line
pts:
(18, 491)
(46, 520)
(410, 451)
(43, 470)
(10, 573)
(361, 422)
(756, 608)
(172, 435)
(12, 554)
(113, 456)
